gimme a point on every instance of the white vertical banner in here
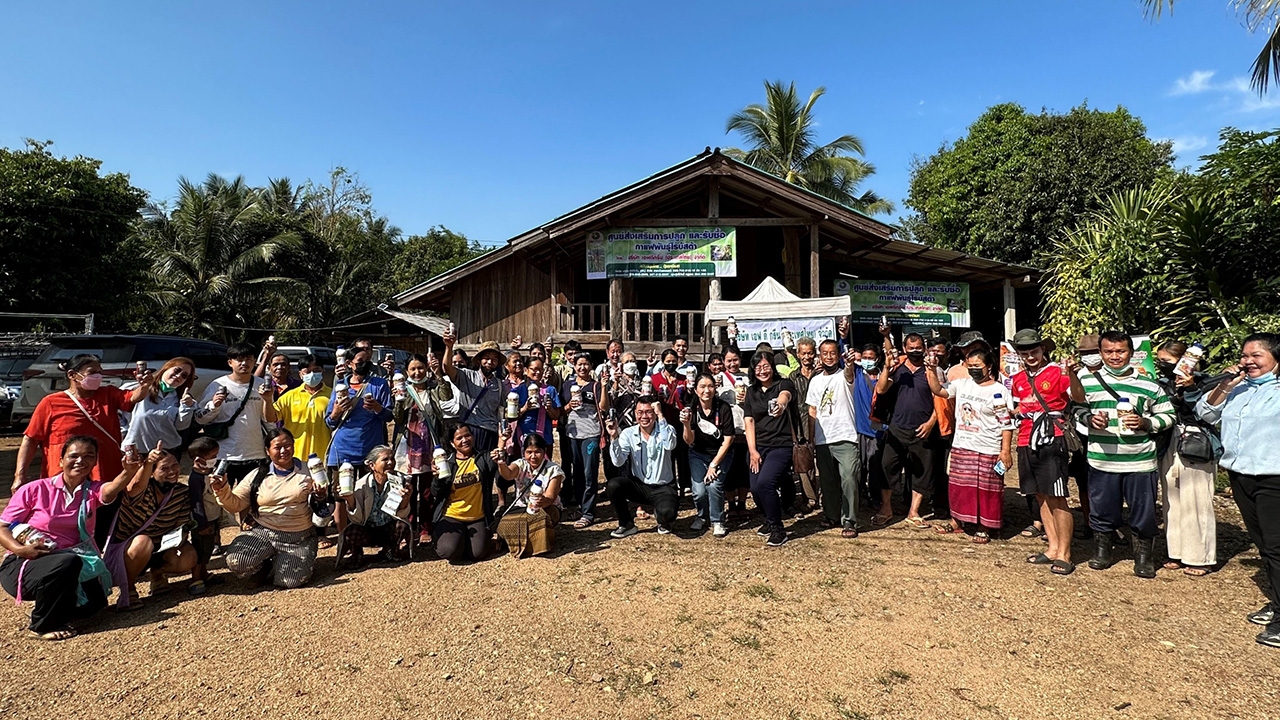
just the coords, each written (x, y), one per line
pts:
(754, 332)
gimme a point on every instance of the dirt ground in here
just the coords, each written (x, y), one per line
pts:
(899, 623)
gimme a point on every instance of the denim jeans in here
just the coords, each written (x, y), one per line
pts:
(708, 499)
(586, 474)
(775, 471)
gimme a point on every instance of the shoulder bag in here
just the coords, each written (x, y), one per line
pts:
(1070, 437)
(221, 430)
(801, 449)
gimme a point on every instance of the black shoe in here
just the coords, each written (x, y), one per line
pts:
(765, 530)
(1144, 566)
(1270, 636)
(778, 538)
(1264, 616)
(1103, 543)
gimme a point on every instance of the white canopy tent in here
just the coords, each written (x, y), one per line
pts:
(771, 301)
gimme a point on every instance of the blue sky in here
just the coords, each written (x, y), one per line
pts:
(493, 117)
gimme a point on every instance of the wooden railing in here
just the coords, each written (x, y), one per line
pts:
(661, 326)
(583, 317)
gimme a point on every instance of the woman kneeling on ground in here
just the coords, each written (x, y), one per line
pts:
(53, 557)
(277, 498)
(154, 512)
(464, 502)
(368, 521)
(529, 526)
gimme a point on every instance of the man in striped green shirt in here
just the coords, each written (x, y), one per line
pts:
(1126, 411)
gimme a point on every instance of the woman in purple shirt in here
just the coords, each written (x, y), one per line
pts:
(52, 517)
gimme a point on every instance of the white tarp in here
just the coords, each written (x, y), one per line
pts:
(772, 301)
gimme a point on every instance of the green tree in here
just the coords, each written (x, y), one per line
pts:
(1255, 14)
(1016, 181)
(421, 257)
(212, 257)
(782, 140)
(64, 228)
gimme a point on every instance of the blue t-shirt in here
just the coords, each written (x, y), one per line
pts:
(363, 430)
(548, 398)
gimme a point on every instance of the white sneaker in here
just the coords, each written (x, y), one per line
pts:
(662, 530)
(697, 524)
(719, 530)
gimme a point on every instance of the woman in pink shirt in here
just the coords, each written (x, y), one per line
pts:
(62, 512)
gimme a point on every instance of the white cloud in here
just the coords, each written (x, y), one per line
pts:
(1188, 144)
(1197, 82)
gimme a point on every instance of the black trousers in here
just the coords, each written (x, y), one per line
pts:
(1258, 497)
(940, 449)
(904, 451)
(51, 580)
(626, 489)
(459, 542)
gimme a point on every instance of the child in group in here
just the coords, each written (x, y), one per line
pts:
(205, 509)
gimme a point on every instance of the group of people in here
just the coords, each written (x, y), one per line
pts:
(459, 451)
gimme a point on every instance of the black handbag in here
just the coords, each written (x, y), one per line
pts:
(1198, 444)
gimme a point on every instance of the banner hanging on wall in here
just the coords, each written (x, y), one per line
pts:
(754, 332)
(662, 253)
(904, 301)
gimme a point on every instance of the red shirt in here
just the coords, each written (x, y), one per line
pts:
(57, 419)
(671, 392)
(1054, 385)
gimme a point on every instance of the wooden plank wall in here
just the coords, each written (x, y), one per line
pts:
(507, 299)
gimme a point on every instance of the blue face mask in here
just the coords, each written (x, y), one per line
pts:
(1117, 372)
(312, 379)
(1266, 379)
(868, 365)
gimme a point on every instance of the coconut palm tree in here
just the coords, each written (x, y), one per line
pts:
(783, 141)
(1256, 14)
(211, 255)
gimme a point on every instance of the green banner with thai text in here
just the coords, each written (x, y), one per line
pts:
(662, 253)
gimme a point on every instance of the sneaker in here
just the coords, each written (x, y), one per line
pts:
(1265, 616)
(662, 530)
(719, 530)
(777, 538)
(765, 530)
(1270, 636)
(624, 532)
(697, 524)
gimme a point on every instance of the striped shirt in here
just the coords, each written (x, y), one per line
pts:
(1109, 450)
(134, 511)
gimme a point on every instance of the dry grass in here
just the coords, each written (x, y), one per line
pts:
(896, 624)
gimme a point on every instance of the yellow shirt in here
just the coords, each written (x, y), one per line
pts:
(466, 502)
(302, 414)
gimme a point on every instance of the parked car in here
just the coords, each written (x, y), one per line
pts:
(119, 355)
(326, 355)
(11, 368)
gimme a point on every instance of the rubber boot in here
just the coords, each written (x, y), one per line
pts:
(1143, 564)
(1102, 545)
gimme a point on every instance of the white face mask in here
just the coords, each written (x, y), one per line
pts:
(1091, 360)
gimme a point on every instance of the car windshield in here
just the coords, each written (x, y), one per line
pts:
(13, 366)
(107, 351)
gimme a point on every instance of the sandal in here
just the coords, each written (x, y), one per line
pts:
(849, 532)
(197, 587)
(1173, 565)
(948, 529)
(54, 635)
(1062, 567)
(583, 522)
(881, 520)
(918, 523)
(641, 514)
(1031, 531)
(326, 543)
(981, 538)
(1196, 571)
(1039, 559)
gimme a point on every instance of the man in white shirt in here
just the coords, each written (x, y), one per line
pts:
(835, 436)
(643, 455)
(244, 401)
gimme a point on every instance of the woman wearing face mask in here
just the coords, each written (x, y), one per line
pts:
(709, 431)
(417, 411)
(87, 408)
(155, 510)
(302, 410)
(1188, 467)
(733, 390)
(529, 526)
(1247, 405)
(165, 411)
(983, 441)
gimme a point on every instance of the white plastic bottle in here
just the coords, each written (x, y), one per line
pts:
(441, 462)
(733, 327)
(535, 400)
(513, 405)
(319, 476)
(341, 354)
(1123, 408)
(346, 478)
(535, 492)
(1189, 361)
(788, 340)
(1001, 408)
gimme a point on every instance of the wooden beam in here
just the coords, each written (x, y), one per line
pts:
(713, 198)
(714, 221)
(615, 306)
(814, 255)
(791, 259)
(1010, 310)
